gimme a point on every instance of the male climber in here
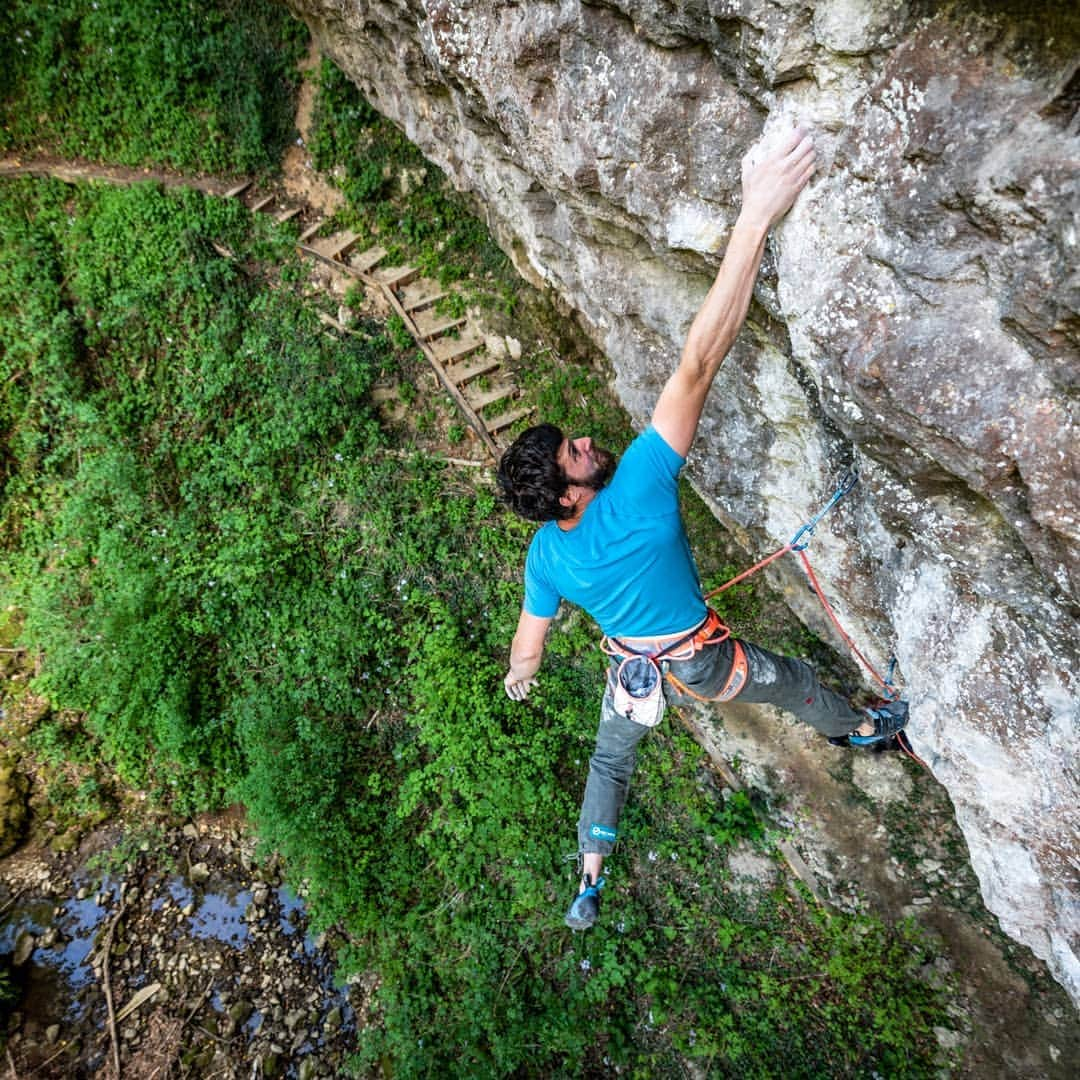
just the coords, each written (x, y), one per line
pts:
(613, 543)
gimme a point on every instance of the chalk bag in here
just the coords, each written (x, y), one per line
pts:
(639, 692)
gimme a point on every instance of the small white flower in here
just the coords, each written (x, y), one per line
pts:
(652, 856)
(586, 966)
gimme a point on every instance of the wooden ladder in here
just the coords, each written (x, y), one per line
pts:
(453, 346)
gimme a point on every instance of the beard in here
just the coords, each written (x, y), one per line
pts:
(605, 469)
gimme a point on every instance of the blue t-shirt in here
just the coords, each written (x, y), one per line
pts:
(627, 562)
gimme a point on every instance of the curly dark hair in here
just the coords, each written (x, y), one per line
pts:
(530, 479)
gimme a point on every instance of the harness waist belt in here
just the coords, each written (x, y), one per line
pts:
(711, 631)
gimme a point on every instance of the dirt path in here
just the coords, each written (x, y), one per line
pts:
(75, 171)
(302, 181)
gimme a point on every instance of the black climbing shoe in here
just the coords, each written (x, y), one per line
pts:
(586, 906)
(889, 717)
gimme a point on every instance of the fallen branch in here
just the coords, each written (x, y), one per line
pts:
(106, 951)
(505, 977)
(11, 900)
(198, 1004)
(48, 1061)
(406, 454)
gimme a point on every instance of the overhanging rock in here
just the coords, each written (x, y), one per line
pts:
(918, 317)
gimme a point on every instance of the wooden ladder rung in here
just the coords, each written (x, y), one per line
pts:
(421, 293)
(288, 215)
(262, 204)
(239, 189)
(430, 324)
(329, 320)
(481, 398)
(368, 260)
(460, 374)
(310, 231)
(394, 276)
(450, 349)
(334, 247)
(505, 419)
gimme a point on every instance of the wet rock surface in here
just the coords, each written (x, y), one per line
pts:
(918, 316)
(207, 955)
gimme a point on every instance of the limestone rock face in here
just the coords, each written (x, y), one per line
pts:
(918, 317)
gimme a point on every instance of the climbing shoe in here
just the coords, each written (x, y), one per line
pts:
(889, 717)
(586, 906)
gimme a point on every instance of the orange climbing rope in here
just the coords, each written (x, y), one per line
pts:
(798, 544)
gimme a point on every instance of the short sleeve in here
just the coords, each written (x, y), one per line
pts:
(646, 480)
(541, 599)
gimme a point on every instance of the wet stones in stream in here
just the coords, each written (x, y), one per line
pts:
(211, 968)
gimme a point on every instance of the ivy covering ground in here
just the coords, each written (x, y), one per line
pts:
(241, 590)
(191, 84)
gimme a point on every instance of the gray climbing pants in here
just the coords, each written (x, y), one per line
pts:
(771, 679)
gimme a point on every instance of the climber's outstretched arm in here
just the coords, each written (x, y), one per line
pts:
(526, 652)
(769, 189)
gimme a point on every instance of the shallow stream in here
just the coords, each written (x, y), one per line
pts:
(242, 984)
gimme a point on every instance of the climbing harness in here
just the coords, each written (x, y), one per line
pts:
(638, 678)
(736, 679)
(638, 681)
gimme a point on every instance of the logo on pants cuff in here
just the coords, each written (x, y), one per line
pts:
(602, 832)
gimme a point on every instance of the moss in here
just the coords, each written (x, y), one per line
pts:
(14, 788)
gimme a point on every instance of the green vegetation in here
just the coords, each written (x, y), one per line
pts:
(398, 198)
(246, 597)
(9, 994)
(239, 588)
(186, 84)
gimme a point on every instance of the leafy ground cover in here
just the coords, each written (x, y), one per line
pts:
(239, 593)
(240, 589)
(187, 84)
